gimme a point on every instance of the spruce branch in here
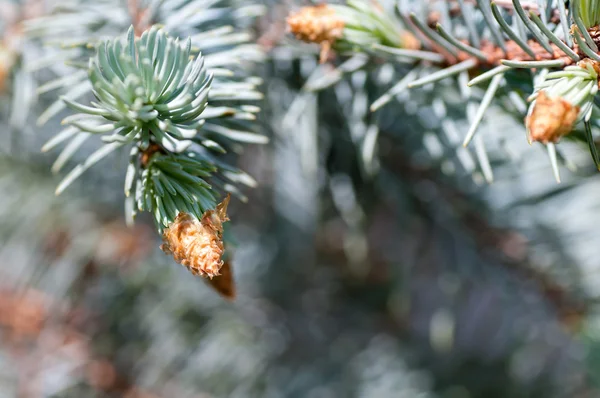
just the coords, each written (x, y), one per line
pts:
(356, 27)
(177, 106)
(217, 30)
(514, 35)
(152, 95)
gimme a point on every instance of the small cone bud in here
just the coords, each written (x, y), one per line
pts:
(317, 24)
(584, 63)
(198, 244)
(551, 118)
(224, 283)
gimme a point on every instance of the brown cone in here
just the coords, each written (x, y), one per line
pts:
(198, 245)
(317, 24)
(551, 118)
(224, 283)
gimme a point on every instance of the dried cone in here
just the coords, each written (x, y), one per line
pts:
(551, 118)
(317, 24)
(224, 284)
(198, 245)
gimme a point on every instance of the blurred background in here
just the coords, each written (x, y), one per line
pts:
(372, 260)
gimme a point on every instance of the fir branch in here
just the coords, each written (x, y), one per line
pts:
(151, 96)
(179, 103)
(538, 47)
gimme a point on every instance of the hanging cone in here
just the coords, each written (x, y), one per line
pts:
(198, 244)
(224, 283)
(317, 24)
(551, 118)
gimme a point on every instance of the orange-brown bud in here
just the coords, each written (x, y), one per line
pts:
(198, 244)
(584, 63)
(551, 118)
(317, 24)
(224, 284)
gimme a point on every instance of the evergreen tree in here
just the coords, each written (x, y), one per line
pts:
(398, 194)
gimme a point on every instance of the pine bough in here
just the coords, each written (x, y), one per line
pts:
(491, 43)
(169, 82)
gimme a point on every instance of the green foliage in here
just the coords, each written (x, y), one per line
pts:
(366, 25)
(187, 92)
(143, 96)
(401, 272)
(170, 184)
(589, 12)
(506, 46)
(150, 86)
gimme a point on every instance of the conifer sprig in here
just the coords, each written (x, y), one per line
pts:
(178, 101)
(151, 95)
(507, 38)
